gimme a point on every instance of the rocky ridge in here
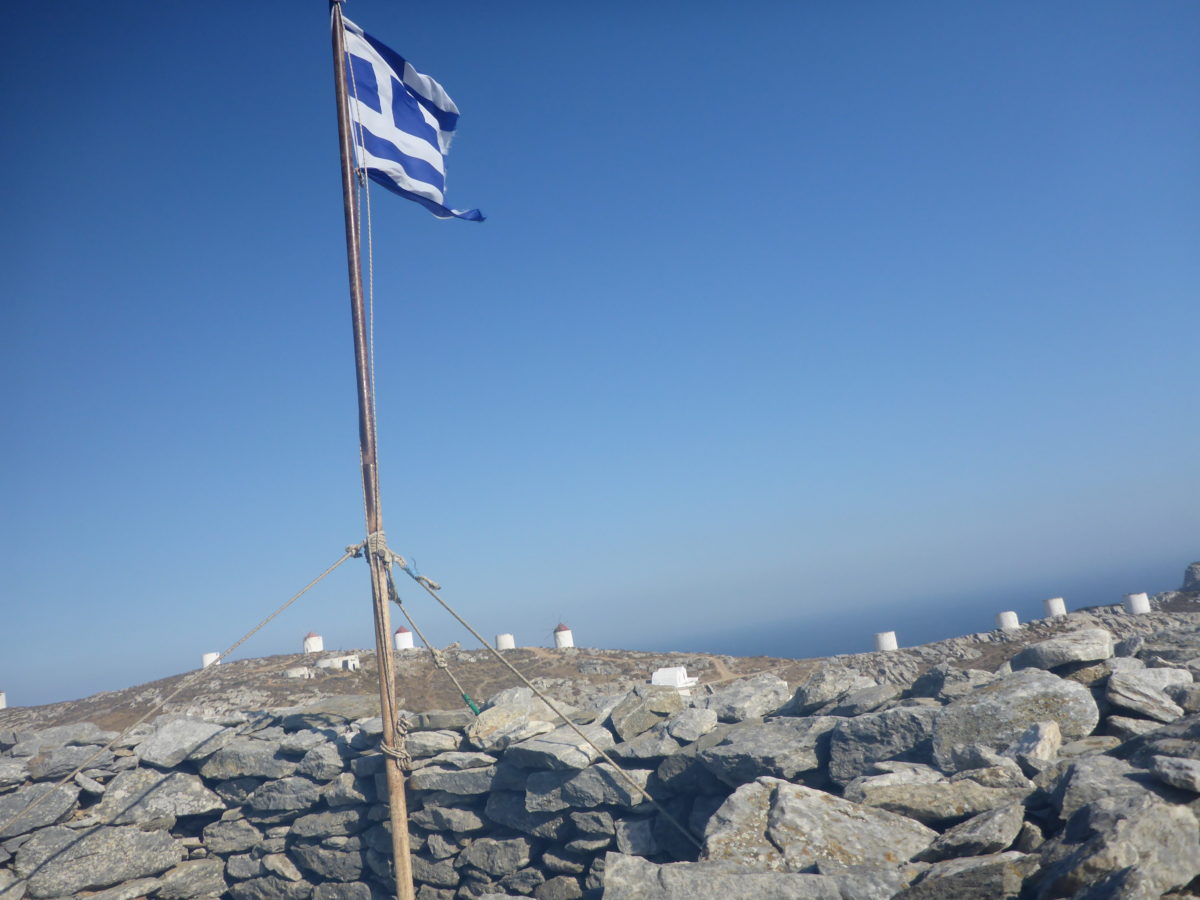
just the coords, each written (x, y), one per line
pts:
(1060, 762)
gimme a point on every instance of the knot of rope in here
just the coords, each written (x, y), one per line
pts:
(354, 551)
(376, 545)
(399, 750)
(439, 658)
(427, 582)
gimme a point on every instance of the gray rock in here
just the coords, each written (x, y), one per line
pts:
(1041, 740)
(1181, 738)
(323, 824)
(936, 804)
(948, 682)
(347, 790)
(1180, 773)
(435, 872)
(333, 864)
(1187, 696)
(865, 700)
(54, 764)
(902, 733)
(130, 890)
(497, 857)
(343, 890)
(321, 763)
(524, 882)
(285, 794)
(1174, 646)
(508, 808)
(194, 878)
(31, 743)
(1091, 779)
(1085, 645)
(997, 714)
(561, 887)
(776, 825)
(236, 791)
(560, 749)
(989, 832)
(458, 759)
(231, 837)
(749, 698)
(649, 745)
(430, 743)
(691, 724)
(642, 708)
(60, 862)
(1160, 840)
(248, 757)
(270, 888)
(828, 684)
(594, 823)
(995, 877)
(1124, 727)
(1142, 692)
(143, 796)
(448, 818)
(512, 716)
(635, 878)
(564, 861)
(13, 772)
(782, 748)
(243, 866)
(599, 785)
(183, 738)
(19, 814)
(636, 837)
(453, 781)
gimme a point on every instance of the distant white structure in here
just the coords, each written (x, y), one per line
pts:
(674, 676)
(298, 672)
(349, 663)
(209, 659)
(403, 639)
(563, 637)
(1055, 607)
(505, 642)
(313, 643)
(1007, 620)
(3, 700)
(885, 640)
(1137, 604)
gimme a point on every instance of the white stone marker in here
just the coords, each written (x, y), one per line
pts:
(505, 642)
(313, 643)
(209, 659)
(563, 637)
(403, 639)
(3, 700)
(1137, 604)
(1007, 620)
(1055, 607)
(886, 640)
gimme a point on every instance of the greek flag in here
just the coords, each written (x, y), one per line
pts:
(402, 123)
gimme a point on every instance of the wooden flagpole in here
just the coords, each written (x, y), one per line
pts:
(401, 858)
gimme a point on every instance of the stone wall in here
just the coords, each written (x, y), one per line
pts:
(1072, 771)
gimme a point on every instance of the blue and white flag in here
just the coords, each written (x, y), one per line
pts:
(402, 123)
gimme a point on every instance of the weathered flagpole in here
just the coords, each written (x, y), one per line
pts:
(401, 860)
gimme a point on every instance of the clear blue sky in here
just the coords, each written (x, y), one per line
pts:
(798, 320)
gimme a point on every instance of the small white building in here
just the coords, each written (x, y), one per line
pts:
(1007, 620)
(3, 700)
(505, 642)
(209, 659)
(402, 639)
(348, 663)
(313, 643)
(563, 637)
(885, 641)
(674, 676)
(1056, 607)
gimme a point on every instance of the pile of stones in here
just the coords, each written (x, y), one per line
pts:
(1073, 771)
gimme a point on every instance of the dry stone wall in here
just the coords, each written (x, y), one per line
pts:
(1073, 771)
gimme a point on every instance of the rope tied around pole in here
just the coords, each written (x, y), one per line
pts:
(399, 749)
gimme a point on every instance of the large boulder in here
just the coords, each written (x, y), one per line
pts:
(827, 685)
(992, 831)
(146, 796)
(749, 698)
(248, 757)
(19, 814)
(903, 733)
(997, 714)
(562, 748)
(783, 748)
(1085, 645)
(643, 708)
(997, 876)
(633, 878)
(937, 804)
(1143, 691)
(183, 738)
(788, 827)
(63, 862)
(599, 785)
